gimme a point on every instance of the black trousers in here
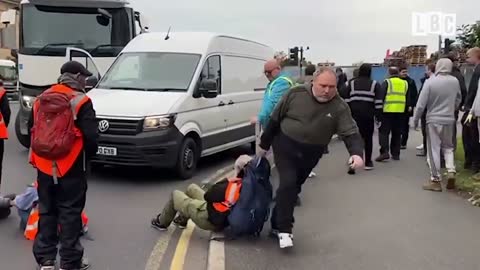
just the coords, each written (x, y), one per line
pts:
(2, 150)
(391, 124)
(366, 126)
(405, 130)
(423, 120)
(294, 162)
(471, 144)
(60, 208)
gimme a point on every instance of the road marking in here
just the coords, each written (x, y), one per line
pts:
(156, 256)
(216, 249)
(181, 251)
(158, 251)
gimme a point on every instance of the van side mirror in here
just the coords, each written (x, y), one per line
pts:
(208, 88)
(91, 83)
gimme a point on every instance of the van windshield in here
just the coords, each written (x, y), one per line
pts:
(8, 73)
(151, 71)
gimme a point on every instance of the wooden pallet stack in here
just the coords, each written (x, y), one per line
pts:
(394, 61)
(416, 54)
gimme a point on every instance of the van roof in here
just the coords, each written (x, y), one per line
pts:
(187, 42)
(8, 63)
(80, 3)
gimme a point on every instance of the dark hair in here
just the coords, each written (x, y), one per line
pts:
(431, 66)
(393, 71)
(402, 67)
(365, 70)
(339, 69)
(310, 70)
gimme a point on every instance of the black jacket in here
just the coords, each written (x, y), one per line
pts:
(87, 124)
(364, 102)
(472, 88)
(5, 109)
(463, 88)
(216, 194)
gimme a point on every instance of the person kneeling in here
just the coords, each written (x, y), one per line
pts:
(209, 209)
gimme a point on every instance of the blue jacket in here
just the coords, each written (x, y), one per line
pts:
(274, 92)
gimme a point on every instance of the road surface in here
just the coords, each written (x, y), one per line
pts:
(120, 204)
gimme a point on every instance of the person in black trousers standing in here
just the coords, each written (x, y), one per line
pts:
(412, 95)
(4, 121)
(364, 97)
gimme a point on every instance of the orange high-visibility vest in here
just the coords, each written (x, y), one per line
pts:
(231, 195)
(31, 229)
(3, 126)
(58, 168)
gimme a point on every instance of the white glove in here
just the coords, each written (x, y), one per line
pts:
(469, 118)
(356, 162)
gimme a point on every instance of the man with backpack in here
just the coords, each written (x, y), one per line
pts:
(210, 209)
(64, 136)
(4, 121)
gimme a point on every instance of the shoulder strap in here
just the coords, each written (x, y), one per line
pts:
(77, 102)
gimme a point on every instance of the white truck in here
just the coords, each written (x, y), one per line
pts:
(47, 27)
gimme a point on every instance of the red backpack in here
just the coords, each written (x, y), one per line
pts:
(54, 133)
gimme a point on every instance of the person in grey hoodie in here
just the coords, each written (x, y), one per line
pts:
(440, 97)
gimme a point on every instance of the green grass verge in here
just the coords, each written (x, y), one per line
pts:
(464, 177)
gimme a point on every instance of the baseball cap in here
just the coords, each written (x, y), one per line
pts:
(75, 67)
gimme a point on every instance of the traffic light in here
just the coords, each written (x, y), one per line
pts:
(448, 43)
(293, 55)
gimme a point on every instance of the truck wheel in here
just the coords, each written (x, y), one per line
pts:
(23, 139)
(187, 158)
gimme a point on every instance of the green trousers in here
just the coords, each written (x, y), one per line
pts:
(190, 205)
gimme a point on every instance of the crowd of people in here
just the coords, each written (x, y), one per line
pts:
(297, 121)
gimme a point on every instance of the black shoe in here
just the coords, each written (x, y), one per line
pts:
(403, 147)
(155, 223)
(180, 222)
(48, 265)
(368, 165)
(298, 202)
(382, 157)
(83, 266)
(396, 158)
(467, 166)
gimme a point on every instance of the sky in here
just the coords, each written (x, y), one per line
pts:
(342, 31)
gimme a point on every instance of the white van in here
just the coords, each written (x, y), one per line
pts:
(169, 99)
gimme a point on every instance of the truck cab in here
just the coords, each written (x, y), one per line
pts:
(47, 27)
(8, 77)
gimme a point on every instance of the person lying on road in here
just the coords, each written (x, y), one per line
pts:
(204, 208)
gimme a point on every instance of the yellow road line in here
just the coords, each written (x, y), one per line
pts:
(158, 251)
(181, 251)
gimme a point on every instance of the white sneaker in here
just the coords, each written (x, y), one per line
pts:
(312, 174)
(285, 240)
(420, 147)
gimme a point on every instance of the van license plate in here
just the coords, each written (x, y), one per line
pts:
(107, 151)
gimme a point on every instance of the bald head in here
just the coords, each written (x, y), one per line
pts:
(272, 69)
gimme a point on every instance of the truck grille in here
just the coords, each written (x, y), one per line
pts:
(119, 126)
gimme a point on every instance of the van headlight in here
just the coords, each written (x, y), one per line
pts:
(27, 102)
(158, 122)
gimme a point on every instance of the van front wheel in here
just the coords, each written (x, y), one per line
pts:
(187, 158)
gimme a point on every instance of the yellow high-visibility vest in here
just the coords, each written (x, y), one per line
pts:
(396, 98)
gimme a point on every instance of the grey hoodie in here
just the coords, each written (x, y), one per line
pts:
(441, 96)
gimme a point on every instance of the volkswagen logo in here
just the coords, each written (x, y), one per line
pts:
(103, 125)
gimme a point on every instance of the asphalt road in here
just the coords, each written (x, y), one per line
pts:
(120, 203)
(373, 220)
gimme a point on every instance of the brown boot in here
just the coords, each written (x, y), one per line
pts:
(433, 186)
(451, 181)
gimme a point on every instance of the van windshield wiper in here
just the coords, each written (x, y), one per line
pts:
(94, 50)
(165, 89)
(124, 88)
(57, 44)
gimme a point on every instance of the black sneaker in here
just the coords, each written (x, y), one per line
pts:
(368, 165)
(48, 265)
(403, 147)
(156, 224)
(396, 158)
(83, 266)
(180, 222)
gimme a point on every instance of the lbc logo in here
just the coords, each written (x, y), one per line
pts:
(434, 23)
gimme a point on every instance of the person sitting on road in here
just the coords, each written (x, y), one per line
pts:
(204, 208)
